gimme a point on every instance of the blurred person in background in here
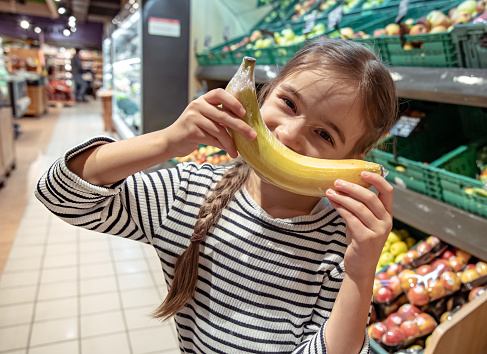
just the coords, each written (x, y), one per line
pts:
(80, 85)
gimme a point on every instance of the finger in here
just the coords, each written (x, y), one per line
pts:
(221, 97)
(383, 187)
(351, 221)
(229, 120)
(356, 207)
(364, 195)
(219, 135)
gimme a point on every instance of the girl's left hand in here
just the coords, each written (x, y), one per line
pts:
(368, 218)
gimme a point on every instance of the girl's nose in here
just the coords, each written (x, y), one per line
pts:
(291, 132)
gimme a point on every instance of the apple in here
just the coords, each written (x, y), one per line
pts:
(479, 290)
(398, 248)
(418, 295)
(426, 323)
(394, 237)
(384, 294)
(450, 281)
(409, 256)
(408, 279)
(394, 269)
(462, 18)
(441, 266)
(438, 29)
(395, 286)
(433, 240)
(462, 254)
(480, 6)
(393, 336)
(423, 247)
(408, 311)
(457, 263)
(441, 20)
(377, 286)
(410, 329)
(386, 258)
(481, 268)
(469, 275)
(447, 254)
(393, 320)
(410, 241)
(346, 32)
(393, 29)
(378, 329)
(255, 35)
(446, 316)
(435, 289)
(383, 276)
(379, 32)
(469, 6)
(424, 269)
(424, 21)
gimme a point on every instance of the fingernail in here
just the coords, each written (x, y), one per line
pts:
(331, 191)
(366, 174)
(253, 134)
(242, 112)
(339, 182)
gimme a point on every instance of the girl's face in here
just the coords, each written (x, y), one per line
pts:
(314, 116)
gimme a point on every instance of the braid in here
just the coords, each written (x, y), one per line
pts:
(186, 267)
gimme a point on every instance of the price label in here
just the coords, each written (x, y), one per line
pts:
(334, 17)
(310, 23)
(207, 43)
(403, 10)
(226, 33)
(195, 44)
(404, 126)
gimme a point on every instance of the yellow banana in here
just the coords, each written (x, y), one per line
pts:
(276, 163)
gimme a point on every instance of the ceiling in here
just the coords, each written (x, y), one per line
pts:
(84, 10)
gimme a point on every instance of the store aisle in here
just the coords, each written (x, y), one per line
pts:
(72, 291)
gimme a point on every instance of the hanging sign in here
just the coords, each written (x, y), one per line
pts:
(403, 10)
(226, 33)
(166, 27)
(334, 17)
(207, 43)
(404, 126)
(310, 23)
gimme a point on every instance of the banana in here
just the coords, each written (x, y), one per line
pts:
(277, 164)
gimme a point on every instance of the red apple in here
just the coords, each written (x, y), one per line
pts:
(462, 254)
(426, 323)
(379, 32)
(457, 263)
(418, 29)
(424, 269)
(445, 316)
(393, 29)
(395, 286)
(408, 312)
(410, 329)
(481, 268)
(469, 275)
(418, 295)
(424, 247)
(433, 241)
(408, 279)
(377, 330)
(476, 291)
(394, 320)
(393, 336)
(409, 256)
(441, 266)
(450, 281)
(435, 289)
(394, 269)
(383, 276)
(424, 21)
(377, 286)
(447, 254)
(384, 294)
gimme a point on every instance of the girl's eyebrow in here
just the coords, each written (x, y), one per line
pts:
(293, 91)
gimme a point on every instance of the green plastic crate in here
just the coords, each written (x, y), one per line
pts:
(467, 38)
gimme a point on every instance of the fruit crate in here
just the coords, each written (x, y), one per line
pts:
(471, 42)
(442, 130)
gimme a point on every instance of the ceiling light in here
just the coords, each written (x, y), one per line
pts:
(73, 29)
(136, 5)
(37, 30)
(131, 1)
(72, 19)
(24, 24)
(61, 10)
(66, 32)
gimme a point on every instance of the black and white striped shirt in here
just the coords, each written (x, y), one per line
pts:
(265, 285)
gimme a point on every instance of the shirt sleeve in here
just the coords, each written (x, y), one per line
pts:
(314, 341)
(131, 208)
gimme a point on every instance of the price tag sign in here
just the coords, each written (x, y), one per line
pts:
(226, 33)
(404, 126)
(403, 10)
(334, 17)
(310, 23)
(207, 43)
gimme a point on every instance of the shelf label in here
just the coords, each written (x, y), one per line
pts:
(310, 23)
(166, 27)
(226, 33)
(403, 10)
(404, 126)
(334, 17)
(207, 42)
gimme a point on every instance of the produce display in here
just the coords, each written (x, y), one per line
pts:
(275, 162)
(206, 153)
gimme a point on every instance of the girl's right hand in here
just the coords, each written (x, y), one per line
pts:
(203, 122)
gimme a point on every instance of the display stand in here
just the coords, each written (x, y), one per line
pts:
(106, 98)
(37, 94)
(7, 146)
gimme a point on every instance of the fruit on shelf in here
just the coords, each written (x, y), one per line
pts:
(441, 266)
(393, 29)
(394, 320)
(424, 269)
(450, 281)
(408, 312)
(423, 247)
(481, 268)
(447, 254)
(409, 256)
(479, 290)
(393, 336)
(394, 269)
(436, 290)
(456, 263)
(408, 279)
(377, 330)
(384, 294)
(426, 323)
(410, 329)
(208, 154)
(463, 254)
(418, 295)
(276, 163)
(469, 275)
(398, 248)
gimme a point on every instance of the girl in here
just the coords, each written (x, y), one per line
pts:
(251, 268)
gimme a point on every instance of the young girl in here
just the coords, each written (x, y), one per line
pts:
(263, 270)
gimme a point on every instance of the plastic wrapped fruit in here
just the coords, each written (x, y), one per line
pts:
(424, 252)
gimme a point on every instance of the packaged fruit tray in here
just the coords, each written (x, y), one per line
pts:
(471, 40)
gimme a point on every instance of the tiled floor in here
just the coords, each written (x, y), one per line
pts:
(72, 291)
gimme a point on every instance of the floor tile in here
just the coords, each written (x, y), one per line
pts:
(16, 314)
(67, 347)
(9, 296)
(34, 251)
(90, 304)
(102, 323)
(62, 248)
(95, 257)
(60, 260)
(48, 291)
(115, 343)
(135, 281)
(97, 285)
(20, 278)
(22, 264)
(141, 297)
(61, 274)
(54, 331)
(96, 270)
(139, 317)
(56, 309)
(153, 339)
(96, 246)
(131, 266)
(14, 337)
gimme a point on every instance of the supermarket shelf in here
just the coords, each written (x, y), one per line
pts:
(449, 85)
(454, 226)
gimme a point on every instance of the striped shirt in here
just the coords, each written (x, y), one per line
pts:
(265, 285)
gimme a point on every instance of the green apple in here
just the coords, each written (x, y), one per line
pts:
(398, 248)
(386, 258)
(410, 241)
(399, 258)
(386, 247)
(393, 237)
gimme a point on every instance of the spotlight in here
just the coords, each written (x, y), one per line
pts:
(37, 30)
(61, 10)
(72, 19)
(136, 5)
(24, 24)
(73, 29)
(66, 32)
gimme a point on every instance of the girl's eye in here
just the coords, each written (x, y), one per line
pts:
(325, 136)
(289, 103)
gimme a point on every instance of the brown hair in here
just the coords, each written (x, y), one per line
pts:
(378, 95)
